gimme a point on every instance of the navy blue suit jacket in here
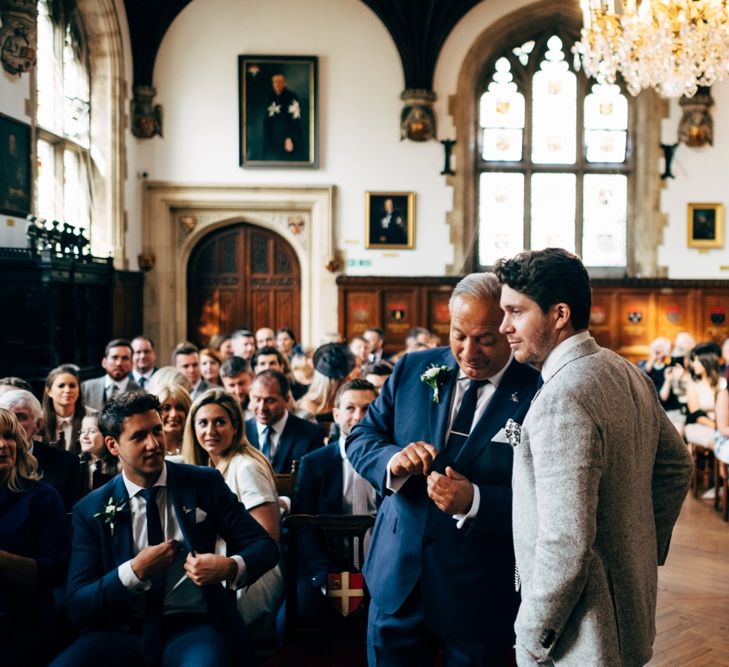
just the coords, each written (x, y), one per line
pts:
(96, 597)
(320, 482)
(299, 437)
(467, 575)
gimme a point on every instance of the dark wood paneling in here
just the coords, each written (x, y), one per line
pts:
(626, 315)
(128, 304)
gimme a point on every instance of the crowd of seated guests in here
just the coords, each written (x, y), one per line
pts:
(691, 380)
(251, 405)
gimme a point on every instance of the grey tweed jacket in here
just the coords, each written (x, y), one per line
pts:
(599, 477)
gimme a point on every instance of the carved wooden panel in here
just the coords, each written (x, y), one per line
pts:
(242, 277)
(713, 315)
(674, 312)
(400, 313)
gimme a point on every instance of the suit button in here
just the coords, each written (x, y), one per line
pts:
(427, 541)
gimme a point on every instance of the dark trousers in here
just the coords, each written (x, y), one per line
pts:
(403, 639)
(197, 646)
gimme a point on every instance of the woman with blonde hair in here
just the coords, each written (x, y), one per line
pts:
(215, 435)
(176, 402)
(34, 550)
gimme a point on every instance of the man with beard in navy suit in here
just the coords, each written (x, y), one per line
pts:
(440, 569)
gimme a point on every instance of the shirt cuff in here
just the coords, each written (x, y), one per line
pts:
(475, 504)
(240, 578)
(131, 581)
(394, 484)
(284, 505)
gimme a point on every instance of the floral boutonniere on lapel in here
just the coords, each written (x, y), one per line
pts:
(513, 432)
(436, 377)
(112, 512)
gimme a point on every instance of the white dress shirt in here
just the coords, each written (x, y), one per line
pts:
(348, 477)
(274, 435)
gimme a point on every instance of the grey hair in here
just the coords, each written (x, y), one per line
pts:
(481, 286)
(19, 398)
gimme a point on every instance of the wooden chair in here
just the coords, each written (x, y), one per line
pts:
(286, 482)
(721, 480)
(703, 465)
(340, 639)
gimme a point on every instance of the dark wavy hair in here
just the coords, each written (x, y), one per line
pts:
(49, 410)
(111, 419)
(550, 276)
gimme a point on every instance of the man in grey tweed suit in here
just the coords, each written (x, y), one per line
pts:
(600, 474)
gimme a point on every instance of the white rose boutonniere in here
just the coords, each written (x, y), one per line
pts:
(112, 511)
(435, 377)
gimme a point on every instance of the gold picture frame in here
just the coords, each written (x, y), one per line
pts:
(705, 225)
(390, 220)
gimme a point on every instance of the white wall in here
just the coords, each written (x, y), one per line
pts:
(701, 176)
(360, 81)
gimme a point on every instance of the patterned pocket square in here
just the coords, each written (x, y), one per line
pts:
(513, 432)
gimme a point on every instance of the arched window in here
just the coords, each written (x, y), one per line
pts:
(63, 95)
(553, 164)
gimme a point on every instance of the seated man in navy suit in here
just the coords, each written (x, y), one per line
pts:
(281, 436)
(440, 569)
(327, 484)
(144, 581)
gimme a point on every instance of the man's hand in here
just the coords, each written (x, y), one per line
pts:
(452, 493)
(207, 569)
(415, 459)
(155, 559)
(288, 145)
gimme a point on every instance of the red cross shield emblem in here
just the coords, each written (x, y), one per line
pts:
(345, 591)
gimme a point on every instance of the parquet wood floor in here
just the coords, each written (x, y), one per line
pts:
(693, 592)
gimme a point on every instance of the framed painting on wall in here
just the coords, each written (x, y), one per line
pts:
(15, 180)
(278, 111)
(390, 220)
(705, 226)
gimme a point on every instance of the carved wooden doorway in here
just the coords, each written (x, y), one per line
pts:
(242, 276)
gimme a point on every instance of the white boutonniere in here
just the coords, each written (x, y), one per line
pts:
(112, 511)
(186, 510)
(513, 432)
(435, 377)
(515, 397)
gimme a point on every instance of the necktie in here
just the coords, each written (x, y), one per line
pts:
(266, 444)
(461, 426)
(360, 495)
(154, 605)
(142, 381)
(112, 391)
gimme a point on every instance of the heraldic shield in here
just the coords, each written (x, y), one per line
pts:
(345, 591)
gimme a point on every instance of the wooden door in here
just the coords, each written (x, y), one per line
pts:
(242, 277)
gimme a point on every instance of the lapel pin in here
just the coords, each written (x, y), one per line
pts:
(515, 397)
(186, 510)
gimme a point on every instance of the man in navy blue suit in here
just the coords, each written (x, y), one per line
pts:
(144, 581)
(281, 436)
(440, 568)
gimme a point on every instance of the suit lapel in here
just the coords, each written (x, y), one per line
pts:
(122, 540)
(183, 502)
(439, 411)
(285, 443)
(507, 400)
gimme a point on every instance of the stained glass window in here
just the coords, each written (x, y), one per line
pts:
(554, 156)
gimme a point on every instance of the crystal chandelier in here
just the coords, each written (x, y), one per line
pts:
(674, 46)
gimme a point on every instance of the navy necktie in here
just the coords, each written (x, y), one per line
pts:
(142, 381)
(461, 426)
(154, 605)
(266, 444)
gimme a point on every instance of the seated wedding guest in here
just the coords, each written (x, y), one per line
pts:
(267, 357)
(703, 388)
(59, 468)
(98, 465)
(210, 361)
(725, 356)
(375, 336)
(63, 407)
(286, 342)
(223, 344)
(34, 549)
(117, 363)
(265, 337)
(237, 377)
(215, 434)
(186, 359)
(334, 364)
(302, 369)
(377, 373)
(360, 348)
(281, 436)
(144, 582)
(418, 338)
(244, 344)
(175, 405)
(144, 356)
(327, 484)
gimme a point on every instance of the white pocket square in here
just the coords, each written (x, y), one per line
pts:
(501, 437)
(200, 515)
